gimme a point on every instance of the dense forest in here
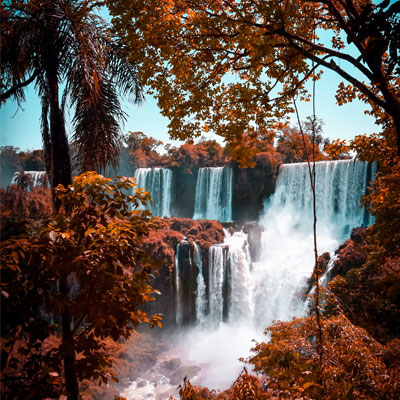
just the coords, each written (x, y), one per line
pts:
(279, 227)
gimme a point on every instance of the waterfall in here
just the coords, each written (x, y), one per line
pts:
(230, 282)
(217, 267)
(158, 182)
(240, 282)
(38, 178)
(339, 187)
(201, 301)
(269, 289)
(178, 289)
(244, 296)
(327, 275)
(213, 199)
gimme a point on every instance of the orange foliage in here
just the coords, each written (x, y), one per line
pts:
(92, 250)
(291, 147)
(170, 231)
(218, 65)
(141, 150)
(337, 150)
(203, 154)
(353, 363)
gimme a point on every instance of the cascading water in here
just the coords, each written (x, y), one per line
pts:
(230, 281)
(340, 185)
(37, 178)
(178, 289)
(287, 242)
(157, 181)
(201, 287)
(270, 289)
(217, 263)
(213, 199)
(245, 297)
(240, 282)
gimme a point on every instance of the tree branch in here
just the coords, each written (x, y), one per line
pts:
(333, 53)
(334, 67)
(10, 92)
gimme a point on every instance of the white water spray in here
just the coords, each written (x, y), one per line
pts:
(217, 265)
(201, 300)
(178, 289)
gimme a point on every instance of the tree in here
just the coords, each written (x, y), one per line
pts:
(293, 148)
(65, 42)
(93, 250)
(141, 150)
(22, 211)
(139, 141)
(33, 161)
(234, 66)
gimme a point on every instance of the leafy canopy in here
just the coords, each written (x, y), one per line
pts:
(234, 67)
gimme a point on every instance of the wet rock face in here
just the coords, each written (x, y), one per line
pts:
(188, 272)
(184, 189)
(161, 245)
(351, 254)
(252, 186)
(322, 262)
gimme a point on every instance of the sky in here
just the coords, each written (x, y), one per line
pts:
(20, 127)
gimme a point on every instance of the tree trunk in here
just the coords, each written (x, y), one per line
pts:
(60, 164)
(68, 346)
(60, 173)
(393, 105)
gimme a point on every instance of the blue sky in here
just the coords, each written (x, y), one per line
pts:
(21, 127)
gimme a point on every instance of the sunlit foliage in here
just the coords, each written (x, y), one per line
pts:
(353, 362)
(295, 147)
(22, 211)
(234, 67)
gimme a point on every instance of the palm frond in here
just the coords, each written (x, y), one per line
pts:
(97, 76)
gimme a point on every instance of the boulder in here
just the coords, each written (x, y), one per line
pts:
(351, 254)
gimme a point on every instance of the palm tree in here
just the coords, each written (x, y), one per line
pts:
(65, 44)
